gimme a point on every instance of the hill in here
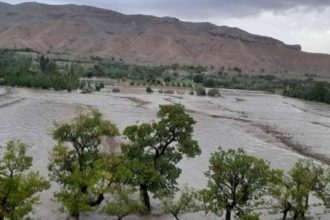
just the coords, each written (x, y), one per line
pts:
(84, 31)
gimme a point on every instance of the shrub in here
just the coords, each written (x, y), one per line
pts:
(213, 92)
(82, 85)
(200, 91)
(87, 90)
(170, 92)
(99, 86)
(116, 90)
(149, 90)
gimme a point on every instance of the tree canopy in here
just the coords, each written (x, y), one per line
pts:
(155, 148)
(78, 165)
(19, 187)
(237, 182)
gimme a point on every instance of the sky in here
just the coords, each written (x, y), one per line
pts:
(304, 22)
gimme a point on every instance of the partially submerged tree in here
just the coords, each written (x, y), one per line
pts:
(184, 203)
(237, 182)
(123, 203)
(281, 195)
(200, 91)
(156, 148)
(292, 192)
(322, 187)
(18, 186)
(213, 92)
(78, 164)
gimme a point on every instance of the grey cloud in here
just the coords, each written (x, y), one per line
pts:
(194, 9)
(210, 8)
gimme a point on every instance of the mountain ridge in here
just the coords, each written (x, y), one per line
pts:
(91, 31)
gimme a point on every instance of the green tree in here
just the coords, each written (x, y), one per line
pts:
(291, 192)
(149, 90)
(123, 203)
(322, 186)
(213, 92)
(199, 78)
(280, 190)
(47, 65)
(237, 182)
(78, 164)
(156, 148)
(18, 186)
(318, 91)
(185, 203)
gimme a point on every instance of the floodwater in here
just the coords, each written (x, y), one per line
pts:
(267, 126)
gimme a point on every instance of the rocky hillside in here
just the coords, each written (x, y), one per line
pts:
(84, 31)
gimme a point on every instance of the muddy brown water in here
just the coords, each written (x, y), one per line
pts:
(265, 125)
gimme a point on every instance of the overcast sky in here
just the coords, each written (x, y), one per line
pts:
(304, 22)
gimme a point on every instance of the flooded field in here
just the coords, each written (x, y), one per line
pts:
(278, 129)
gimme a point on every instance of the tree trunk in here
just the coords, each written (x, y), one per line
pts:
(74, 216)
(145, 197)
(2, 217)
(306, 202)
(176, 217)
(98, 201)
(228, 214)
(295, 216)
(285, 213)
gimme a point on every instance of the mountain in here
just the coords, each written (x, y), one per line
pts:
(84, 31)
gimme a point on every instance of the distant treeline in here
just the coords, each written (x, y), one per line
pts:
(20, 70)
(177, 75)
(43, 72)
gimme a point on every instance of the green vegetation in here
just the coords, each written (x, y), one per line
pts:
(150, 74)
(123, 203)
(116, 90)
(213, 92)
(185, 203)
(313, 91)
(18, 185)
(237, 182)
(168, 92)
(81, 170)
(149, 90)
(19, 70)
(90, 171)
(200, 91)
(156, 148)
(88, 174)
(99, 86)
(45, 73)
(291, 192)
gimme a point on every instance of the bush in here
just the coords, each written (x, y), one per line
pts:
(87, 90)
(169, 92)
(213, 93)
(99, 86)
(200, 91)
(149, 90)
(199, 78)
(116, 90)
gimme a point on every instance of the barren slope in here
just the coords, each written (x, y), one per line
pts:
(88, 31)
